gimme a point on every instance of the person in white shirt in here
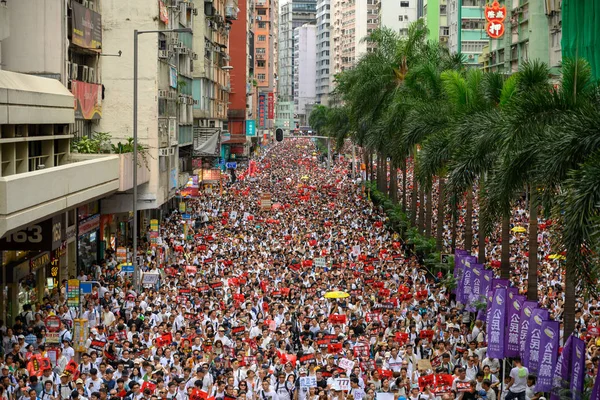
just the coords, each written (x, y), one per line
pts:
(518, 381)
(93, 383)
(266, 392)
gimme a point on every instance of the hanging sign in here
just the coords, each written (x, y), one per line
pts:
(495, 14)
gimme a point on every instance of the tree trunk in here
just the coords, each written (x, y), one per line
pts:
(428, 213)
(373, 172)
(413, 200)
(421, 210)
(404, 186)
(381, 173)
(454, 216)
(505, 257)
(569, 306)
(439, 241)
(469, 221)
(393, 182)
(532, 288)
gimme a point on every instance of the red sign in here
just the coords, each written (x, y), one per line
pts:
(164, 13)
(270, 105)
(52, 323)
(88, 100)
(495, 16)
(261, 110)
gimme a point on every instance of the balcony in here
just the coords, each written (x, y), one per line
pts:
(31, 196)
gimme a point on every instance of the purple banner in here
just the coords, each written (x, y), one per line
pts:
(478, 288)
(577, 368)
(497, 282)
(596, 390)
(488, 298)
(497, 324)
(548, 355)
(562, 371)
(526, 311)
(534, 339)
(458, 269)
(515, 306)
(466, 283)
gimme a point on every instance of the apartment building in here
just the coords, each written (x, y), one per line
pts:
(467, 29)
(533, 31)
(305, 70)
(398, 15)
(435, 13)
(293, 14)
(323, 50)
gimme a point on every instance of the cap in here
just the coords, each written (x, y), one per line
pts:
(21, 337)
(78, 381)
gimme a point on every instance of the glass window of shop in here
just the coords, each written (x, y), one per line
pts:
(88, 233)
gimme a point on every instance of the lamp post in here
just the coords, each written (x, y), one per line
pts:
(136, 33)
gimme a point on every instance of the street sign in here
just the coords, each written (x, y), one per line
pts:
(221, 161)
(128, 269)
(85, 287)
(231, 165)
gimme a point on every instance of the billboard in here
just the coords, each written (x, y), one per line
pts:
(262, 110)
(250, 127)
(87, 27)
(88, 100)
(271, 105)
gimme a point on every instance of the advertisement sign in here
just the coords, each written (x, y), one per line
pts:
(121, 254)
(173, 179)
(89, 225)
(270, 105)
(88, 100)
(87, 27)
(173, 77)
(250, 127)
(495, 16)
(46, 235)
(261, 110)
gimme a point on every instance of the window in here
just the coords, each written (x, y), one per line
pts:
(261, 77)
(443, 9)
(262, 11)
(404, 4)
(262, 25)
(400, 18)
(260, 63)
(261, 50)
(262, 38)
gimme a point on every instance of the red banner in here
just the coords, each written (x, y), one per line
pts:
(270, 105)
(88, 100)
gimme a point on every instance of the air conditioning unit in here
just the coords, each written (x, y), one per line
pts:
(174, 39)
(164, 54)
(162, 94)
(259, 18)
(84, 75)
(85, 3)
(91, 75)
(194, 56)
(171, 95)
(195, 102)
(163, 152)
(182, 99)
(171, 151)
(91, 5)
(74, 71)
(195, 11)
(175, 3)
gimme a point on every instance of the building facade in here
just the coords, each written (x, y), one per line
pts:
(293, 14)
(305, 70)
(533, 31)
(467, 30)
(398, 15)
(435, 13)
(323, 50)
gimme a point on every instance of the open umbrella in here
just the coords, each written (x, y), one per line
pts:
(305, 177)
(120, 266)
(557, 257)
(519, 229)
(337, 294)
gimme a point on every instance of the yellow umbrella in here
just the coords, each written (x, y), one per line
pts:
(337, 294)
(557, 257)
(305, 177)
(519, 229)
(120, 266)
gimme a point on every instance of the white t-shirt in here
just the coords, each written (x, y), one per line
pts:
(519, 375)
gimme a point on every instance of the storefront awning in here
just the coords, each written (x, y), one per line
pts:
(29, 99)
(235, 140)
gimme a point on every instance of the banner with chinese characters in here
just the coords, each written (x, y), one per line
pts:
(271, 105)
(261, 110)
(495, 14)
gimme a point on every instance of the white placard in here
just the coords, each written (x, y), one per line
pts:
(346, 364)
(342, 384)
(308, 381)
(384, 396)
(150, 278)
(358, 394)
(356, 250)
(233, 215)
(320, 262)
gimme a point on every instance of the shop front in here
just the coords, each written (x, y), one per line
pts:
(88, 235)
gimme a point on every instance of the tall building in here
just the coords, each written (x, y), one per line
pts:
(467, 33)
(532, 32)
(398, 15)
(435, 13)
(323, 50)
(352, 21)
(211, 84)
(305, 70)
(265, 61)
(293, 14)
(49, 196)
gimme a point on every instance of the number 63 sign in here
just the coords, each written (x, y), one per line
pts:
(45, 235)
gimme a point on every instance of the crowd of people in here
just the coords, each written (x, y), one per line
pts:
(312, 297)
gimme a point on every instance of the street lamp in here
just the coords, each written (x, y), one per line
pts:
(136, 33)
